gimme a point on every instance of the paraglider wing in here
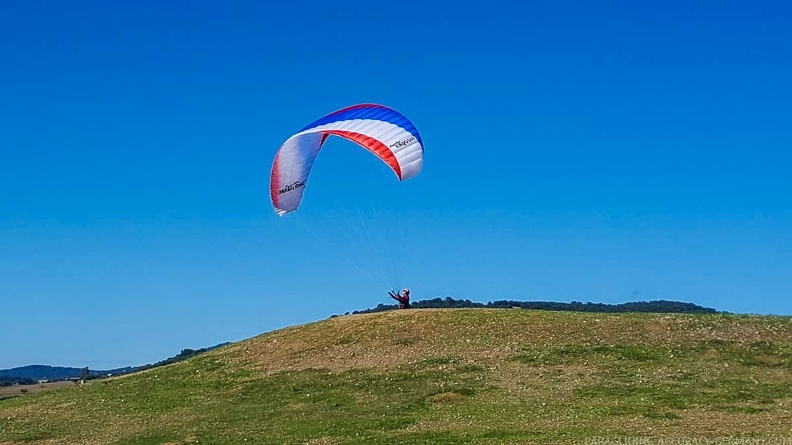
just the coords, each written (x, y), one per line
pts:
(379, 129)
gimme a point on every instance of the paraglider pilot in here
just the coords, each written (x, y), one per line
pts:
(403, 299)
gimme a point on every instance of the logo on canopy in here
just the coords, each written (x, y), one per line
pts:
(403, 143)
(293, 186)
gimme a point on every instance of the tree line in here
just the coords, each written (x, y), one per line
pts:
(8, 381)
(654, 306)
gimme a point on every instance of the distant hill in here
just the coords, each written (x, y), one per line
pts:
(26, 374)
(46, 372)
(654, 306)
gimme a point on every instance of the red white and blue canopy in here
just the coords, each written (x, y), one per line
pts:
(379, 129)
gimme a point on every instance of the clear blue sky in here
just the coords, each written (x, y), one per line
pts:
(607, 153)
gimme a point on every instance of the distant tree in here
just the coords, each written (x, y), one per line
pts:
(8, 381)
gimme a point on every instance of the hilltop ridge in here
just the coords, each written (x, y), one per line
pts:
(653, 306)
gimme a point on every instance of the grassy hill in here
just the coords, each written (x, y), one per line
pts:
(451, 376)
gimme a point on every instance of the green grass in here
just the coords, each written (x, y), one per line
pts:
(465, 377)
(288, 407)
